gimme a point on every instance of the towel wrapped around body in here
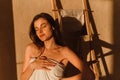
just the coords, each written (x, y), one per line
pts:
(56, 72)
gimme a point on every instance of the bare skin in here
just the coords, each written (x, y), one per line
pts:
(51, 50)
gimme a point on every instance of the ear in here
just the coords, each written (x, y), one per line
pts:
(53, 28)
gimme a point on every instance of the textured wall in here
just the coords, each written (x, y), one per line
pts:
(104, 21)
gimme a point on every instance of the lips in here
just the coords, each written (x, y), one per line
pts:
(41, 35)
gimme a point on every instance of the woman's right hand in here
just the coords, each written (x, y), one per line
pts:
(42, 63)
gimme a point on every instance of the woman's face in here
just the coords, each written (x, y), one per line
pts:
(43, 29)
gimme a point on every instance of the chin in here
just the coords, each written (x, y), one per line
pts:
(45, 38)
(42, 39)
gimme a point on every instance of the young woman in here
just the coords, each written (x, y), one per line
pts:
(46, 57)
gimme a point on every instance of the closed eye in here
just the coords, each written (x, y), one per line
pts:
(43, 25)
(36, 29)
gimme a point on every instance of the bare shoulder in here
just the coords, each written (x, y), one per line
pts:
(66, 51)
(31, 46)
(30, 49)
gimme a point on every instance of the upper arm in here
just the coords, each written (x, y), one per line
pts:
(73, 59)
(27, 56)
(79, 64)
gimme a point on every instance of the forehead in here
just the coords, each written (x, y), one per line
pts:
(40, 21)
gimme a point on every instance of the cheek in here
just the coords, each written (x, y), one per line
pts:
(48, 32)
(37, 33)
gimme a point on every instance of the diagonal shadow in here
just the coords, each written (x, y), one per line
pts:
(73, 33)
(97, 45)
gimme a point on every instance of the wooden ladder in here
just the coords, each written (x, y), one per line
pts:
(90, 32)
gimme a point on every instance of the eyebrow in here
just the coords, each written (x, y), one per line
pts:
(40, 25)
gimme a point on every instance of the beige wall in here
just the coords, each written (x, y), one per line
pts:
(102, 19)
(24, 11)
(103, 16)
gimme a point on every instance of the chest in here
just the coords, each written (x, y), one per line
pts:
(53, 54)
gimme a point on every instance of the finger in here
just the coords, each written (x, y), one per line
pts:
(46, 62)
(45, 68)
(43, 57)
(48, 65)
(43, 61)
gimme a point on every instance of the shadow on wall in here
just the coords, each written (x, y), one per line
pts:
(73, 33)
(97, 45)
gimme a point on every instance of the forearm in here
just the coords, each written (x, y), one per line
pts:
(27, 73)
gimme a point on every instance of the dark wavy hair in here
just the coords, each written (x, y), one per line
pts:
(52, 22)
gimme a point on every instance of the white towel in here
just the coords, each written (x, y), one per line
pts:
(78, 14)
(56, 72)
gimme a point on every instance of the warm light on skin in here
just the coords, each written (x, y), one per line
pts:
(43, 29)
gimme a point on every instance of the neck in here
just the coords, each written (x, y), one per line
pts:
(50, 44)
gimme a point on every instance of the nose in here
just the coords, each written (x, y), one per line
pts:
(40, 30)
